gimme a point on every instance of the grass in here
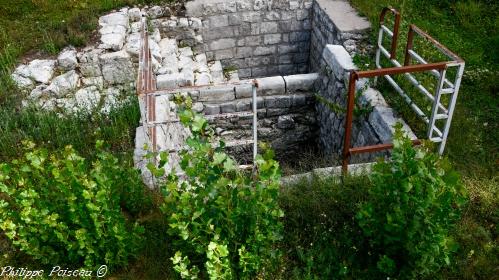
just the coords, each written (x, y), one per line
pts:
(320, 226)
(51, 130)
(471, 29)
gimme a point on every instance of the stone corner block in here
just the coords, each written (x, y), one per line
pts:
(271, 86)
(338, 59)
(300, 82)
(244, 89)
(220, 93)
(383, 120)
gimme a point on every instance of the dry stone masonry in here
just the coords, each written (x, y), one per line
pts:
(210, 52)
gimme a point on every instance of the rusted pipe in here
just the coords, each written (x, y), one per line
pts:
(393, 51)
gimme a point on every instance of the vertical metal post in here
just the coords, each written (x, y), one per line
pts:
(378, 52)
(452, 105)
(409, 46)
(348, 121)
(255, 123)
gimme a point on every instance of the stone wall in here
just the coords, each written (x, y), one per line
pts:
(336, 23)
(258, 37)
(374, 127)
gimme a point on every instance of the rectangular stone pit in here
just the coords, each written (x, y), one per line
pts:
(299, 52)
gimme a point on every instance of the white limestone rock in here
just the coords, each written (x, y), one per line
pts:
(187, 51)
(112, 41)
(47, 104)
(135, 14)
(233, 76)
(22, 82)
(113, 29)
(118, 18)
(186, 63)
(198, 107)
(37, 92)
(133, 44)
(63, 84)
(42, 70)
(216, 71)
(93, 81)
(66, 104)
(87, 99)
(196, 23)
(155, 49)
(157, 12)
(168, 46)
(202, 79)
(156, 35)
(135, 27)
(183, 22)
(67, 59)
(117, 68)
(156, 64)
(168, 81)
(187, 78)
(89, 63)
(111, 100)
(23, 70)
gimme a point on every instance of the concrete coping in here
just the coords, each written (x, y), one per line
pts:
(344, 16)
(353, 169)
(383, 118)
(338, 60)
(276, 85)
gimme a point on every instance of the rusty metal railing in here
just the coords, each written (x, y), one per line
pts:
(146, 83)
(438, 69)
(147, 92)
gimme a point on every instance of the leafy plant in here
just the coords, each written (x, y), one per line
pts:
(413, 204)
(60, 209)
(360, 109)
(220, 217)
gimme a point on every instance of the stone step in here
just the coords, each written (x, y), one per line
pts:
(239, 143)
(229, 116)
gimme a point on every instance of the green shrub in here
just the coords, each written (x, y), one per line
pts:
(60, 209)
(413, 204)
(219, 216)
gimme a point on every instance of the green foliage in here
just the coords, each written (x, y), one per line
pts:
(413, 205)
(60, 209)
(219, 216)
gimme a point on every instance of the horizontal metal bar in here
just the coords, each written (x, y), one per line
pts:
(377, 148)
(433, 72)
(407, 99)
(414, 81)
(437, 131)
(387, 31)
(436, 139)
(441, 116)
(436, 43)
(401, 70)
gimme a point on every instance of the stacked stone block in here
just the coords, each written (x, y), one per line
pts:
(336, 23)
(286, 117)
(259, 37)
(370, 129)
